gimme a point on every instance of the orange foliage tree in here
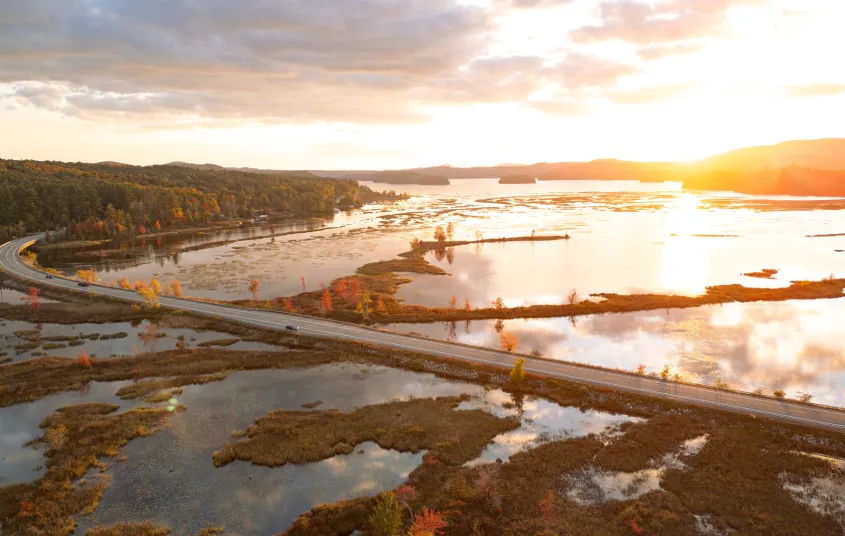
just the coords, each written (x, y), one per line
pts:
(453, 302)
(508, 341)
(89, 276)
(176, 288)
(326, 301)
(289, 306)
(341, 287)
(439, 234)
(450, 230)
(33, 299)
(428, 523)
(83, 359)
(254, 287)
(124, 283)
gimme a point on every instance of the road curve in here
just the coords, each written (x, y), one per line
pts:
(784, 410)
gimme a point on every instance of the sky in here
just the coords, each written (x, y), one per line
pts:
(387, 84)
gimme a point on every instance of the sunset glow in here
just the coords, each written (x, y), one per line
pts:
(392, 83)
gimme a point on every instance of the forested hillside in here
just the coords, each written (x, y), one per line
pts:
(109, 199)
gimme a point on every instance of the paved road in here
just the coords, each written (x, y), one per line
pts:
(818, 417)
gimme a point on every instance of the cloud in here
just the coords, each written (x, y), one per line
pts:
(816, 90)
(649, 94)
(663, 21)
(285, 60)
(656, 52)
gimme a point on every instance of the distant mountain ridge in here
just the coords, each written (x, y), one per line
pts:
(740, 170)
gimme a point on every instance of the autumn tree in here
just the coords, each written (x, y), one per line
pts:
(450, 230)
(158, 226)
(499, 303)
(341, 288)
(83, 360)
(406, 495)
(665, 372)
(289, 306)
(176, 288)
(479, 236)
(518, 371)
(641, 370)
(380, 307)
(508, 341)
(253, 288)
(804, 397)
(363, 307)
(780, 393)
(150, 337)
(415, 243)
(428, 523)
(467, 305)
(156, 286)
(33, 299)
(89, 275)
(439, 234)
(386, 519)
(453, 302)
(124, 283)
(149, 295)
(354, 291)
(57, 436)
(326, 301)
(572, 298)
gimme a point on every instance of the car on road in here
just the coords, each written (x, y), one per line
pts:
(49, 276)
(84, 284)
(291, 327)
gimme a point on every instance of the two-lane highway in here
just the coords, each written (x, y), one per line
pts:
(785, 410)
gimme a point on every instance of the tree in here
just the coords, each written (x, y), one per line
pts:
(89, 275)
(406, 495)
(340, 288)
(380, 307)
(176, 288)
(150, 337)
(415, 243)
(148, 295)
(326, 301)
(33, 299)
(354, 291)
(780, 393)
(479, 236)
(804, 397)
(156, 286)
(158, 226)
(124, 283)
(57, 436)
(363, 307)
(467, 305)
(254, 287)
(453, 302)
(641, 370)
(439, 234)
(508, 341)
(518, 371)
(499, 303)
(572, 298)
(289, 306)
(386, 519)
(450, 231)
(428, 523)
(665, 372)
(83, 359)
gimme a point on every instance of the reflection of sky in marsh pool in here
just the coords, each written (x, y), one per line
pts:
(542, 421)
(19, 424)
(622, 241)
(794, 345)
(169, 478)
(106, 348)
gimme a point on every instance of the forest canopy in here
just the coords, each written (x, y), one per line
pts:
(108, 199)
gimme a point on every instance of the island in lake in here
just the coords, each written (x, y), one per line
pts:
(518, 179)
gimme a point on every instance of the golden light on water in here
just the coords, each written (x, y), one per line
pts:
(686, 259)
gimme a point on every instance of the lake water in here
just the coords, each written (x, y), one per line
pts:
(798, 346)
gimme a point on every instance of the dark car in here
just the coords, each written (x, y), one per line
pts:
(84, 284)
(49, 276)
(291, 327)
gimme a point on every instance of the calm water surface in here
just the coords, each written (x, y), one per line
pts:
(798, 346)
